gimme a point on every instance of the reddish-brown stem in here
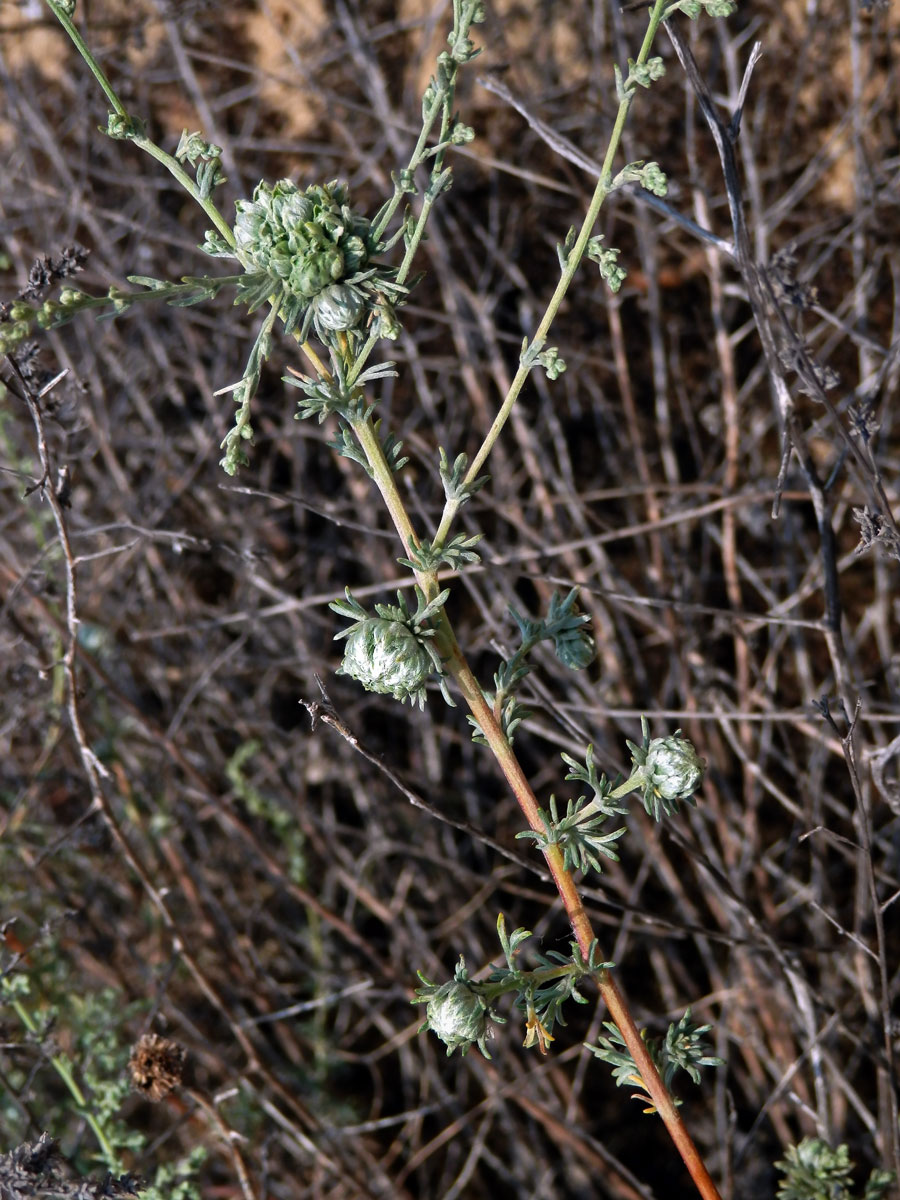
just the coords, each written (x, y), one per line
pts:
(581, 926)
(459, 669)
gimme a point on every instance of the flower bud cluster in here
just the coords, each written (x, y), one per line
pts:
(310, 241)
(673, 767)
(18, 319)
(457, 1015)
(575, 648)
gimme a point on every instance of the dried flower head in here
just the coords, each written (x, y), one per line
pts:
(37, 1171)
(874, 529)
(157, 1066)
(46, 271)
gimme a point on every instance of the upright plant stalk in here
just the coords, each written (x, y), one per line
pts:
(457, 666)
(360, 421)
(63, 1068)
(601, 191)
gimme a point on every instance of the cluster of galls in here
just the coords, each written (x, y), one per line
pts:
(316, 247)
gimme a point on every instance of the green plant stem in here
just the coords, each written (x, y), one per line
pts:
(355, 368)
(443, 99)
(414, 159)
(172, 165)
(493, 991)
(384, 478)
(596, 806)
(64, 1069)
(527, 363)
(81, 46)
(441, 103)
(415, 239)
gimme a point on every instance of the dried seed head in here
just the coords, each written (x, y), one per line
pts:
(156, 1065)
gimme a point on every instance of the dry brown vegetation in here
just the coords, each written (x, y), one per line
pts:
(300, 879)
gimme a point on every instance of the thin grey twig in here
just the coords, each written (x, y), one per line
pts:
(887, 1076)
(325, 712)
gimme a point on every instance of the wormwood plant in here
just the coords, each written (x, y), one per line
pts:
(307, 262)
(40, 1010)
(813, 1171)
